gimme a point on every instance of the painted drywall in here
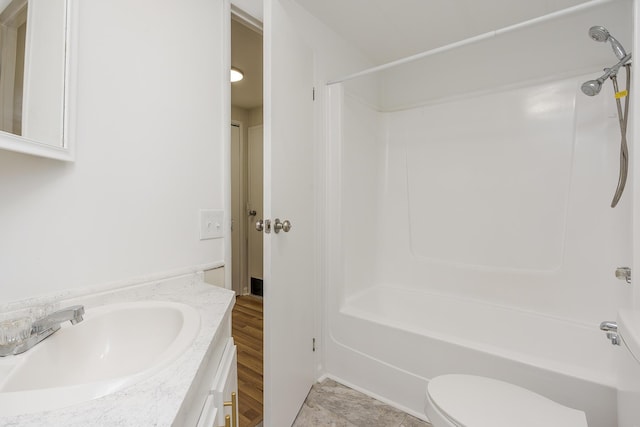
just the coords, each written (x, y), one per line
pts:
(215, 276)
(150, 154)
(387, 30)
(248, 118)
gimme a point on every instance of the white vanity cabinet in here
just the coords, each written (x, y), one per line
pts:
(214, 392)
(221, 406)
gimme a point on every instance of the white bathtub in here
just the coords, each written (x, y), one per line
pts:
(389, 341)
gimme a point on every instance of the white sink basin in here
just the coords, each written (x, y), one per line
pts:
(115, 346)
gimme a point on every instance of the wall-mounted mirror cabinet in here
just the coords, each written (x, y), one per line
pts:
(34, 77)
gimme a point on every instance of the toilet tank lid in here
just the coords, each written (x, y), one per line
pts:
(629, 330)
(472, 401)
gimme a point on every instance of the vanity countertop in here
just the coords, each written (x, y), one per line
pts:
(156, 400)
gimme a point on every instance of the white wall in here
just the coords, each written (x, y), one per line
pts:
(248, 118)
(150, 154)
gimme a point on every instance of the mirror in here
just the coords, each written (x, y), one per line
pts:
(34, 84)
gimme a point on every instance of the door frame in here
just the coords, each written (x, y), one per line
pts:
(251, 219)
(242, 223)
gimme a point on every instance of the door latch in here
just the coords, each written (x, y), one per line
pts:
(264, 225)
(278, 226)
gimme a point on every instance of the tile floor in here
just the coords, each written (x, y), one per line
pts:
(331, 404)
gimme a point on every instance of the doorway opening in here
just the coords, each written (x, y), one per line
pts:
(246, 209)
(246, 159)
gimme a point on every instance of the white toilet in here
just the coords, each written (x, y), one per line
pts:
(473, 401)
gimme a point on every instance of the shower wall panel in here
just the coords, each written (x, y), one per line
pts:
(488, 178)
(501, 197)
(361, 183)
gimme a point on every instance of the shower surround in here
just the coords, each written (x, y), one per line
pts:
(472, 230)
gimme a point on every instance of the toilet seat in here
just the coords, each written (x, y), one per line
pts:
(473, 401)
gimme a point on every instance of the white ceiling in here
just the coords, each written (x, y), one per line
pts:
(385, 30)
(246, 54)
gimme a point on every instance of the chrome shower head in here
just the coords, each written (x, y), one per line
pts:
(592, 87)
(601, 34)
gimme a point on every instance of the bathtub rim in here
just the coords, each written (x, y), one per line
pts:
(558, 367)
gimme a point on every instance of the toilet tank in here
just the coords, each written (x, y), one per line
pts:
(628, 368)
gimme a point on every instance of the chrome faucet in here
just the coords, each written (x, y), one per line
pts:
(43, 328)
(52, 321)
(611, 328)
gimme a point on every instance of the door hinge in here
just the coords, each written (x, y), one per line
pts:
(314, 345)
(313, 94)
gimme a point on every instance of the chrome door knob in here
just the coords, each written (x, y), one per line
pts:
(260, 225)
(281, 225)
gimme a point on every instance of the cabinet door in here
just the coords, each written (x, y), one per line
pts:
(209, 414)
(225, 387)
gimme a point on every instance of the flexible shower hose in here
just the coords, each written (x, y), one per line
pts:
(624, 149)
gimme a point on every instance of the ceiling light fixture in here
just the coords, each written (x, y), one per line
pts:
(236, 75)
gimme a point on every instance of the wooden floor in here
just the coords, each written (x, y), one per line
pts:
(247, 332)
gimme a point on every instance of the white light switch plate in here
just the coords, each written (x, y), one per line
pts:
(211, 224)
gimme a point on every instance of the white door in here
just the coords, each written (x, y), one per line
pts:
(289, 267)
